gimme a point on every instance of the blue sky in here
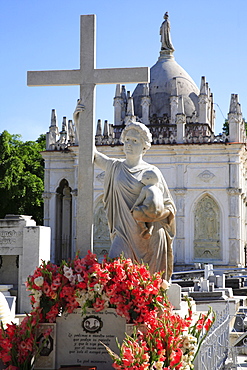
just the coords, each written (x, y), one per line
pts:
(209, 38)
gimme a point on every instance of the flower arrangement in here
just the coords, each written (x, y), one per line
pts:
(129, 288)
(18, 343)
(168, 341)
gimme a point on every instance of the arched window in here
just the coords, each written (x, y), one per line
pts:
(207, 243)
(63, 243)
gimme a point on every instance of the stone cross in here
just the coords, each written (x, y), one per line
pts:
(87, 77)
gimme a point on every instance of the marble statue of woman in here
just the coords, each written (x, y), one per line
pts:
(122, 185)
(166, 43)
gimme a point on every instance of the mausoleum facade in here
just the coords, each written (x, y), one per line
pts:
(206, 173)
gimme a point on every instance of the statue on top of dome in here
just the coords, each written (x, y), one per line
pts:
(166, 43)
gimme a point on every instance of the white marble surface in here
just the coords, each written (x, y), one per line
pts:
(76, 345)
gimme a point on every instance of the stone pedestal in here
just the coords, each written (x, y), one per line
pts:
(22, 247)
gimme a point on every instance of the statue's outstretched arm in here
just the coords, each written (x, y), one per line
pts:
(100, 159)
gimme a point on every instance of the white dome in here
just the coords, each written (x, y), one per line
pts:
(161, 87)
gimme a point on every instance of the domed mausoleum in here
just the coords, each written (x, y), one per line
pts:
(206, 173)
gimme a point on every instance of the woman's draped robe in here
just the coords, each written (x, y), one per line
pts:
(122, 186)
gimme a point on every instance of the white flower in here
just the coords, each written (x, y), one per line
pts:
(68, 272)
(158, 365)
(39, 281)
(189, 342)
(98, 288)
(186, 367)
(37, 294)
(165, 285)
(79, 278)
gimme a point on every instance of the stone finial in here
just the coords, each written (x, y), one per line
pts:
(235, 106)
(62, 142)
(124, 105)
(106, 129)
(129, 111)
(235, 120)
(117, 91)
(123, 93)
(130, 107)
(111, 130)
(203, 102)
(99, 128)
(203, 88)
(118, 104)
(53, 118)
(98, 136)
(65, 124)
(166, 43)
(53, 134)
(71, 132)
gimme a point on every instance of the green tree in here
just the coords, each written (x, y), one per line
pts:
(21, 176)
(225, 127)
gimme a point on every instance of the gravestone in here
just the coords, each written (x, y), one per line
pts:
(22, 247)
(79, 338)
(174, 296)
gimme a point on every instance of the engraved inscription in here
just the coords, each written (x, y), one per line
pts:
(9, 237)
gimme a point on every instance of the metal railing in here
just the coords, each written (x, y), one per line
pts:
(214, 350)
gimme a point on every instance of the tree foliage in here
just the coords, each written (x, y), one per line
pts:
(21, 176)
(225, 127)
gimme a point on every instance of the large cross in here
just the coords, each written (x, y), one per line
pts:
(87, 77)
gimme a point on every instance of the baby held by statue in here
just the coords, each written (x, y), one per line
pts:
(149, 205)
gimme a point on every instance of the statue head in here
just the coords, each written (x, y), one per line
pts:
(166, 16)
(144, 132)
(149, 177)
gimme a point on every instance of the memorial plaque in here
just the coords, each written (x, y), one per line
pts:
(11, 240)
(79, 338)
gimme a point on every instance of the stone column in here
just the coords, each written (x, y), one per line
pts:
(47, 196)
(180, 255)
(73, 216)
(234, 196)
(66, 224)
